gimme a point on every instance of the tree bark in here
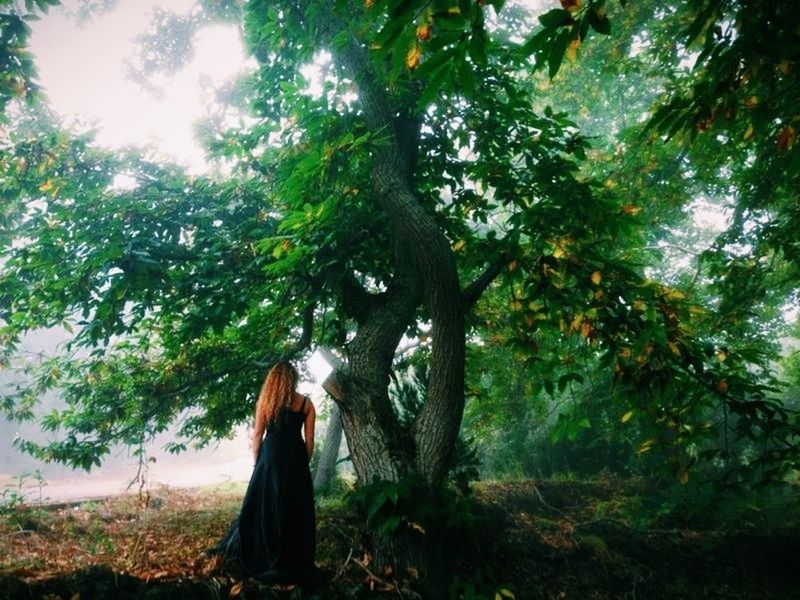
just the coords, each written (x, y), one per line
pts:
(425, 271)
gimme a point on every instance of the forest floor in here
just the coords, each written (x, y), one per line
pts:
(527, 540)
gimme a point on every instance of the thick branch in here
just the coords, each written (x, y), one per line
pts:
(475, 289)
(356, 301)
(305, 337)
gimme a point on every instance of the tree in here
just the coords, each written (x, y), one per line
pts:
(611, 89)
(382, 207)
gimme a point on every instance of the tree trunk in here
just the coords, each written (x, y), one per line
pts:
(326, 467)
(425, 272)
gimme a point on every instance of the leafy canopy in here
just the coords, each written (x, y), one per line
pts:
(182, 289)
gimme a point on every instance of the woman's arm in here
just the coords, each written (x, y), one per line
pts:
(258, 432)
(311, 416)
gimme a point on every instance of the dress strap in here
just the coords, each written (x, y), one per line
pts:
(303, 407)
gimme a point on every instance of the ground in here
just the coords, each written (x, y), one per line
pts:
(526, 539)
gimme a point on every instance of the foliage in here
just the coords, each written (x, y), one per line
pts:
(408, 394)
(17, 70)
(18, 506)
(409, 505)
(736, 300)
(181, 289)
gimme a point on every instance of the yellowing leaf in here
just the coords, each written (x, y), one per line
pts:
(454, 10)
(423, 32)
(785, 138)
(684, 477)
(723, 386)
(413, 56)
(512, 266)
(459, 246)
(571, 5)
(572, 49)
(597, 277)
(630, 209)
(646, 446)
(236, 589)
(674, 347)
(46, 186)
(416, 527)
(748, 132)
(627, 416)
(516, 305)
(673, 294)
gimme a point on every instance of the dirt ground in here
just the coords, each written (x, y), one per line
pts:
(526, 540)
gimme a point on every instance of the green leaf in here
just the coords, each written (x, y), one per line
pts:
(555, 18)
(467, 79)
(557, 51)
(389, 525)
(537, 41)
(598, 21)
(477, 47)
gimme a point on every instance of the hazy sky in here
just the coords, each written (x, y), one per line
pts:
(82, 71)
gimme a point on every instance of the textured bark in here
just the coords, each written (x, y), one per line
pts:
(379, 447)
(425, 272)
(428, 250)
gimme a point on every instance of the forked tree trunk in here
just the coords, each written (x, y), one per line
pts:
(424, 274)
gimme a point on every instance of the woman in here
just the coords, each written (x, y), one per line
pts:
(274, 537)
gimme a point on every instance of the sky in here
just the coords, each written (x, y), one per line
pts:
(81, 69)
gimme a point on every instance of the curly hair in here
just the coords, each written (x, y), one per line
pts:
(276, 393)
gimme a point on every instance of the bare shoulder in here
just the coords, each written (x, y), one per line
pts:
(309, 407)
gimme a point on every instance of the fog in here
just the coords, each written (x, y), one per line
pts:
(227, 460)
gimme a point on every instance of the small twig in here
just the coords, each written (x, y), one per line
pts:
(340, 572)
(21, 531)
(378, 579)
(543, 501)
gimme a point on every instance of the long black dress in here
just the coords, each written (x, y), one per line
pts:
(274, 535)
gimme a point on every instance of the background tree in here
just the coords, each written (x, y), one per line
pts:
(610, 89)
